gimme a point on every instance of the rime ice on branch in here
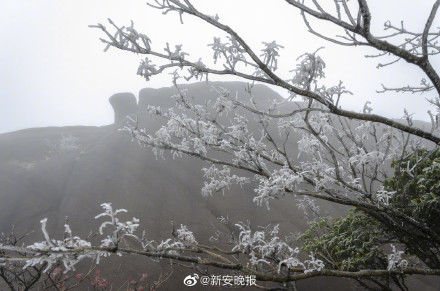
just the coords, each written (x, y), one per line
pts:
(344, 157)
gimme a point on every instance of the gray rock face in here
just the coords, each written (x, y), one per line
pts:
(69, 171)
(124, 104)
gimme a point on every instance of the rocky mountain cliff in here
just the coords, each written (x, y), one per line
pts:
(68, 171)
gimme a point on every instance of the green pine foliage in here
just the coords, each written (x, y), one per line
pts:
(418, 191)
(347, 243)
(357, 241)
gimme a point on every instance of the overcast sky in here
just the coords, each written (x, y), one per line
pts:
(54, 71)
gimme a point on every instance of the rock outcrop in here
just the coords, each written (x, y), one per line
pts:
(124, 104)
(40, 178)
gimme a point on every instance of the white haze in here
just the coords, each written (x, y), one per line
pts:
(55, 73)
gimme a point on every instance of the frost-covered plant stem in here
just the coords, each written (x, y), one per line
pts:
(261, 248)
(343, 157)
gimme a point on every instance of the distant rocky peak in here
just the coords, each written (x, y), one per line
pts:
(124, 104)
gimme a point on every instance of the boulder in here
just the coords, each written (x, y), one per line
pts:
(124, 104)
